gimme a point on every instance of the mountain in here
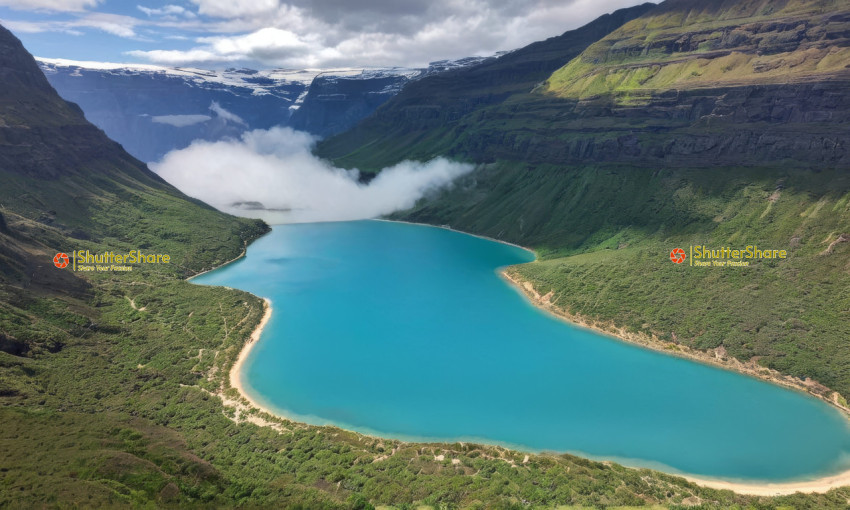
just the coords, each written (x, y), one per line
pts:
(152, 110)
(713, 44)
(442, 100)
(701, 76)
(334, 103)
(697, 123)
(65, 184)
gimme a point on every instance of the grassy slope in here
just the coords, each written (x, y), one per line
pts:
(106, 379)
(726, 43)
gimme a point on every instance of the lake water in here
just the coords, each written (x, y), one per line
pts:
(408, 332)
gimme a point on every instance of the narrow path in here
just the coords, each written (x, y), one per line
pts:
(133, 304)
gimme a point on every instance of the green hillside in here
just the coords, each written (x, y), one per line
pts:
(111, 383)
(643, 143)
(687, 45)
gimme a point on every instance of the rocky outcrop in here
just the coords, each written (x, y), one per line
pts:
(41, 135)
(749, 125)
(153, 112)
(334, 104)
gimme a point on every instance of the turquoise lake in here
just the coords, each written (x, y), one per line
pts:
(408, 332)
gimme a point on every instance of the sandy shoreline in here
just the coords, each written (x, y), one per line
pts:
(717, 358)
(819, 485)
(235, 376)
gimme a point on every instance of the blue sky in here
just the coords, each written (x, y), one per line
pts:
(289, 33)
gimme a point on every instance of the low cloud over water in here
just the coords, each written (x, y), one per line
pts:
(272, 174)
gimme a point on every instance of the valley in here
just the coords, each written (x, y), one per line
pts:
(661, 127)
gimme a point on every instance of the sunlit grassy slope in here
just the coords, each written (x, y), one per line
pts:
(713, 43)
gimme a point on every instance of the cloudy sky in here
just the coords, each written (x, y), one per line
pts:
(290, 33)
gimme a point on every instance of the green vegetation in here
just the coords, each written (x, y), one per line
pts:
(711, 44)
(419, 115)
(112, 403)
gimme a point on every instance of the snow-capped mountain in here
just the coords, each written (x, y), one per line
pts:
(152, 110)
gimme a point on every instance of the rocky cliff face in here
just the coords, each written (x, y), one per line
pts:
(683, 44)
(41, 135)
(333, 104)
(797, 124)
(685, 83)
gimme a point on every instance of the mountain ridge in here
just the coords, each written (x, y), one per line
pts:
(439, 101)
(711, 45)
(152, 110)
(693, 125)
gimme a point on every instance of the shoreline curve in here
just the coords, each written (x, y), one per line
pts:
(235, 373)
(816, 486)
(819, 485)
(544, 303)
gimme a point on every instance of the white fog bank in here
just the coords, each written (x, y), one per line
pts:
(272, 174)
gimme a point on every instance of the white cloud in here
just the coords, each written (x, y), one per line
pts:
(226, 115)
(34, 27)
(333, 33)
(264, 45)
(325, 33)
(111, 28)
(180, 120)
(49, 5)
(170, 12)
(277, 169)
(235, 8)
(177, 57)
(115, 24)
(269, 40)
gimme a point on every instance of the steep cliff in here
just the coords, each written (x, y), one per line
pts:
(437, 103)
(65, 182)
(334, 104)
(711, 44)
